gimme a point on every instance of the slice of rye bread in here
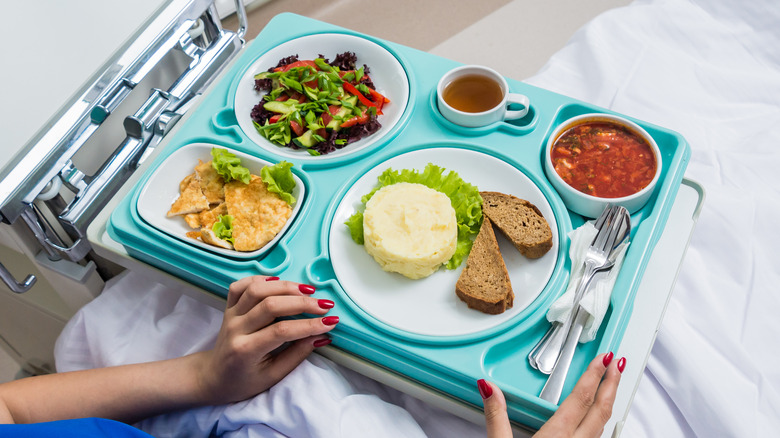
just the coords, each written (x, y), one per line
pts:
(520, 222)
(484, 283)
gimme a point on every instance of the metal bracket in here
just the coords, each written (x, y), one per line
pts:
(14, 285)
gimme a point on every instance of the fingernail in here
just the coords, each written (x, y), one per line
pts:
(326, 304)
(271, 278)
(485, 390)
(322, 342)
(330, 320)
(305, 288)
(622, 364)
(608, 359)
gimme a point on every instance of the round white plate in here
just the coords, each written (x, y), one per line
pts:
(162, 189)
(386, 72)
(429, 306)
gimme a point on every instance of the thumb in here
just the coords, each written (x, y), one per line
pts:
(496, 418)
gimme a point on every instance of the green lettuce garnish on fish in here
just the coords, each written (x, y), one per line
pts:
(223, 227)
(279, 179)
(228, 166)
(464, 197)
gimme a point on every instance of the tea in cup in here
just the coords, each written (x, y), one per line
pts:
(474, 96)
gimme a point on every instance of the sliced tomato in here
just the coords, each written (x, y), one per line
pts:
(298, 96)
(297, 64)
(357, 120)
(282, 97)
(296, 128)
(326, 118)
(275, 118)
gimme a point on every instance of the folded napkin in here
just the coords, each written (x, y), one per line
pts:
(596, 299)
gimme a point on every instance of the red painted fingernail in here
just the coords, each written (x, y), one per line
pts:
(608, 359)
(326, 304)
(330, 320)
(271, 278)
(485, 390)
(322, 342)
(305, 288)
(622, 364)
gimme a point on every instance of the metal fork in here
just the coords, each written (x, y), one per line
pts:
(619, 231)
(545, 354)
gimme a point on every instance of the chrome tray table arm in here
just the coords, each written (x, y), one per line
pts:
(31, 186)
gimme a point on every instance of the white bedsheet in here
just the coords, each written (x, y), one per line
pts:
(711, 71)
(707, 69)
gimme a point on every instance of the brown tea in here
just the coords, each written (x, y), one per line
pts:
(473, 93)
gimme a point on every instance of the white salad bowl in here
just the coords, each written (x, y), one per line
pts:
(387, 74)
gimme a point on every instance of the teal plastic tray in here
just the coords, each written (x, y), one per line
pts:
(452, 365)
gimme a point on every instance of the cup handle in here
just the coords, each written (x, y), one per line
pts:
(519, 99)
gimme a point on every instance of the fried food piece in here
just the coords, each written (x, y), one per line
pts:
(208, 236)
(193, 220)
(211, 182)
(205, 218)
(258, 215)
(191, 200)
(185, 182)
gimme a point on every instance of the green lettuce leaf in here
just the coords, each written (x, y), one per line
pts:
(279, 179)
(223, 227)
(228, 166)
(464, 197)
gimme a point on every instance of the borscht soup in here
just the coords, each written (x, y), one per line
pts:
(603, 159)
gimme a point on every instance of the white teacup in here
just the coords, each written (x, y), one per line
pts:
(474, 96)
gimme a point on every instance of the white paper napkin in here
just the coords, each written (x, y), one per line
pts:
(596, 299)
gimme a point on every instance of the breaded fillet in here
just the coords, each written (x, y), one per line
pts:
(206, 218)
(208, 236)
(258, 215)
(211, 182)
(191, 200)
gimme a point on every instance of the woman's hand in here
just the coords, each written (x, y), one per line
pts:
(582, 414)
(254, 350)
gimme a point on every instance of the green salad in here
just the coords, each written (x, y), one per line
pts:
(316, 105)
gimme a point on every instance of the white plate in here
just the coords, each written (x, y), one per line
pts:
(429, 306)
(386, 72)
(162, 189)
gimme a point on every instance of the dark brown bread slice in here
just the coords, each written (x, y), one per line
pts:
(484, 282)
(520, 222)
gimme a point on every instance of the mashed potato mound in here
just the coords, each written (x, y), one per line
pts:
(410, 229)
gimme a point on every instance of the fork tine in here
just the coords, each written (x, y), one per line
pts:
(603, 216)
(601, 237)
(614, 231)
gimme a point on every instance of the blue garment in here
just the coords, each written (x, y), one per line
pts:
(81, 428)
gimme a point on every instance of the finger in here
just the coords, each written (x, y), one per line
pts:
(496, 418)
(236, 289)
(573, 409)
(276, 334)
(282, 364)
(273, 307)
(601, 411)
(259, 289)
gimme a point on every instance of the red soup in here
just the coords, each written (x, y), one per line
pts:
(603, 159)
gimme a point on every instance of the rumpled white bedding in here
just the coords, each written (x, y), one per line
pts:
(707, 69)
